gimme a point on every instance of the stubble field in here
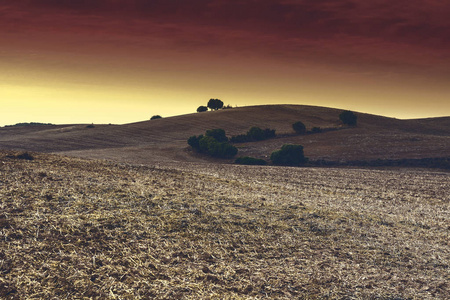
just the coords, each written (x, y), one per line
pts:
(74, 229)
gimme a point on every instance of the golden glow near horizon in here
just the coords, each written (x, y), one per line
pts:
(97, 68)
(141, 95)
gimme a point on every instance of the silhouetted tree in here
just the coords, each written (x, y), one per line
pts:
(299, 127)
(215, 104)
(348, 118)
(202, 108)
(155, 117)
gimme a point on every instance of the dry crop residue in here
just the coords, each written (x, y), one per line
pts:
(72, 228)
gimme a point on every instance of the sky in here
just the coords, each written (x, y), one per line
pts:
(122, 61)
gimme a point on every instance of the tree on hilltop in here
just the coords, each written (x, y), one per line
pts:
(202, 108)
(215, 104)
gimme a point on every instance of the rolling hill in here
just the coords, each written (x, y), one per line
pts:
(164, 140)
(173, 229)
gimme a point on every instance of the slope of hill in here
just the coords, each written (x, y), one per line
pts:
(375, 137)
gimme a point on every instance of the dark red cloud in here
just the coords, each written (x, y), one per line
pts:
(401, 20)
(377, 32)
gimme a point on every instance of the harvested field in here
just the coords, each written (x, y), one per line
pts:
(73, 229)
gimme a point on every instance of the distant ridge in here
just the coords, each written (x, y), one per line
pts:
(374, 137)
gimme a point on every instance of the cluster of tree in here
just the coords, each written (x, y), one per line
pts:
(214, 143)
(155, 117)
(28, 124)
(213, 104)
(254, 134)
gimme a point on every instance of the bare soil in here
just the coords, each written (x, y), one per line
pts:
(86, 229)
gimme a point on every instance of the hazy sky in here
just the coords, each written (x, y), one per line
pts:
(120, 61)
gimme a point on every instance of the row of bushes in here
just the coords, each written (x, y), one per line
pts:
(254, 134)
(433, 162)
(216, 144)
(347, 117)
(288, 155)
(300, 128)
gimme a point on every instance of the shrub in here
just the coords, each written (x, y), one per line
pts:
(246, 160)
(215, 104)
(214, 143)
(299, 127)
(254, 134)
(348, 118)
(217, 134)
(316, 130)
(289, 155)
(211, 146)
(241, 138)
(225, 150)
(193, 141)
(269, 133)
(155, 117)
(202, 108)
(24, 155)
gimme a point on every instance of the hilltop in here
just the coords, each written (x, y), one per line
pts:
(164, 140)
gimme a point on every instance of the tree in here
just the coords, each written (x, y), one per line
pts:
(194, 142)
(202, 108)
(217, 134)
(256, 133)
(299, 127)
(214, 143)
(155, 117)
(289, 155)
(348, 118)
(215, 104)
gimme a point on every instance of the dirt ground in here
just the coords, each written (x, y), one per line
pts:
(79, 229)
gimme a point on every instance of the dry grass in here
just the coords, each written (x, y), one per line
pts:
(71, 228)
